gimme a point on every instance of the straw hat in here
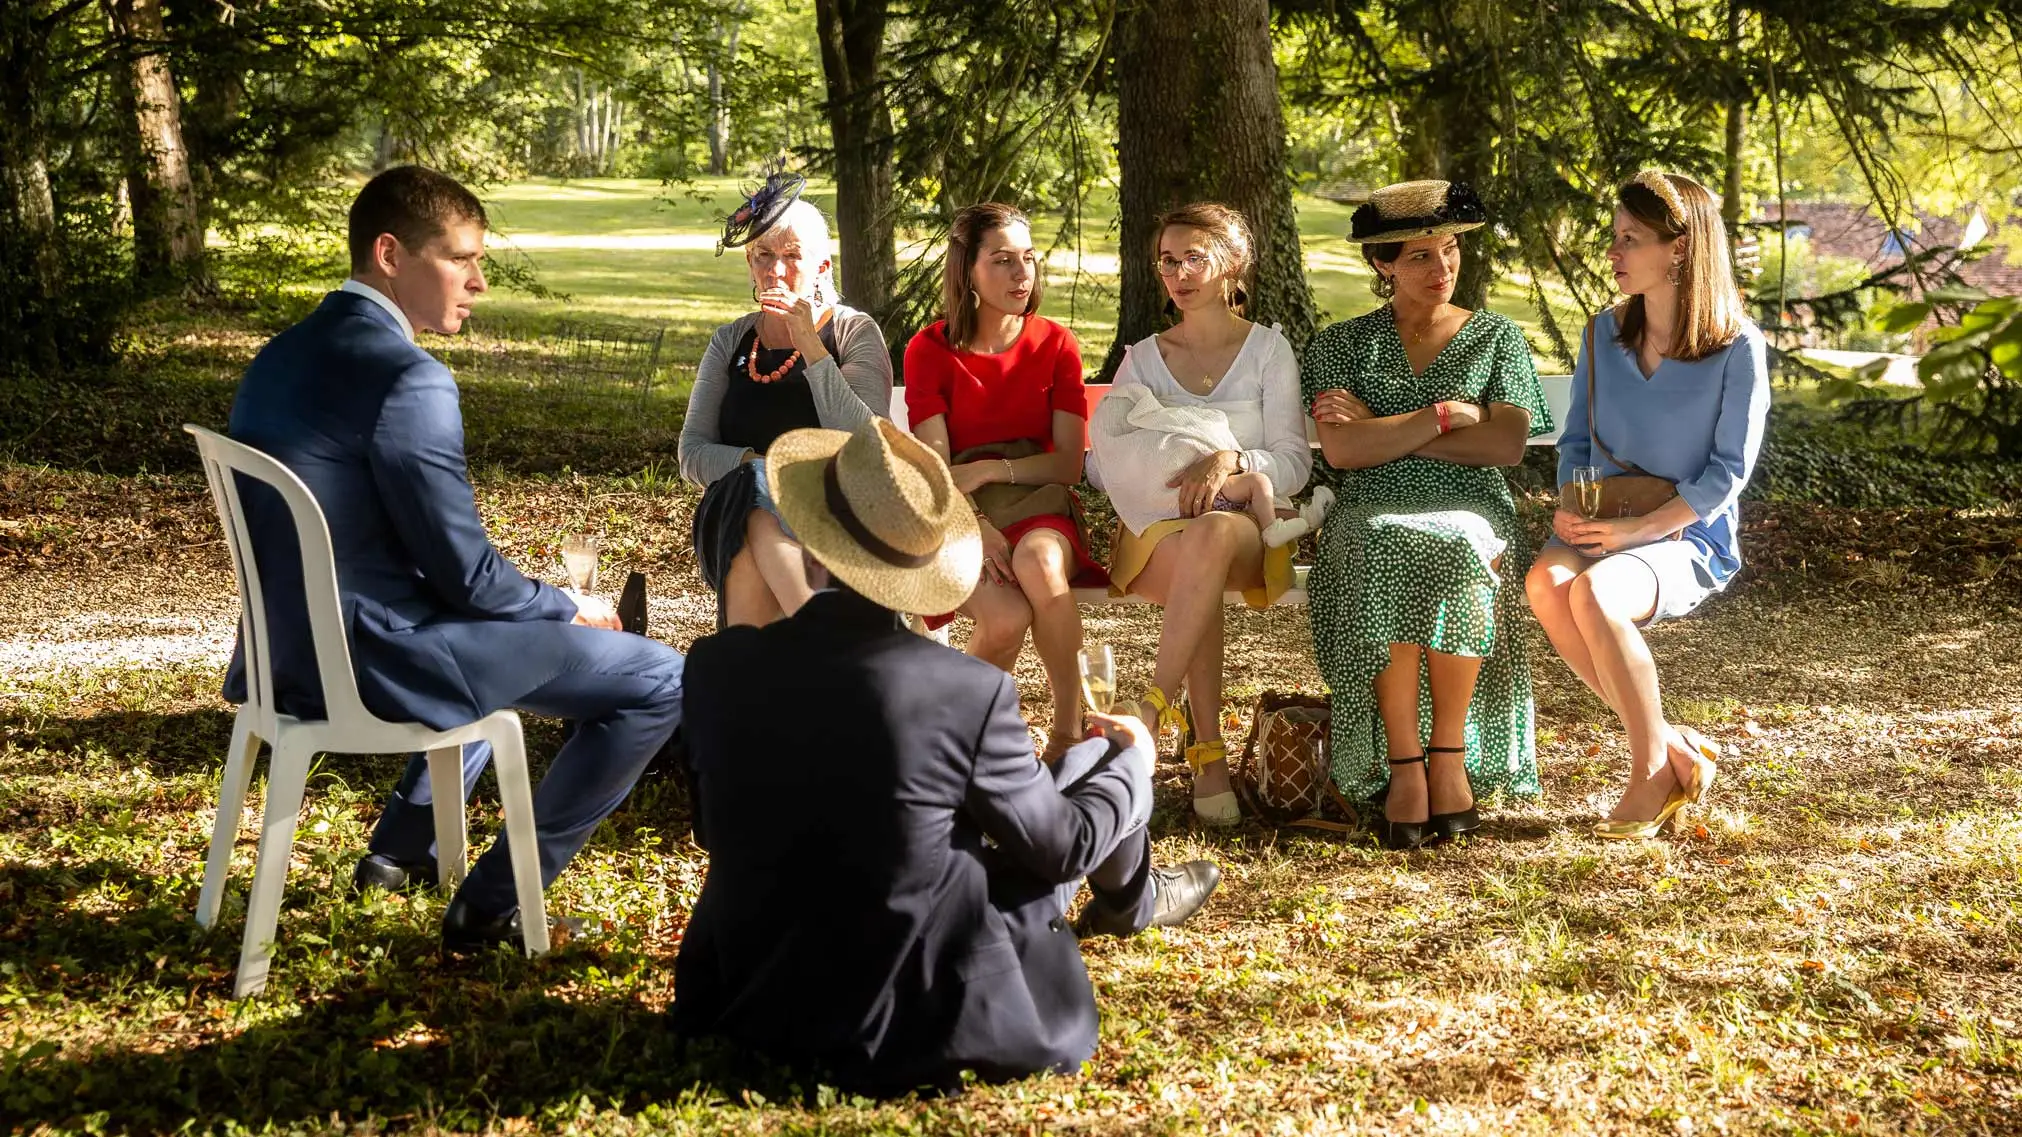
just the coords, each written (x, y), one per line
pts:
(880, 511)
(1408, 211)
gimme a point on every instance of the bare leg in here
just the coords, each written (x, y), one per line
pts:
(1002, 614)
(1187, 575)
(1204, 699)
(1549, 586)
(1397, 706)
(1452, 680)
(778, 559)
(1041, 562)
(1607, 600)
(746, 599)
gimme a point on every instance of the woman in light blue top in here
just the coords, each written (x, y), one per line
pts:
(1673, 383)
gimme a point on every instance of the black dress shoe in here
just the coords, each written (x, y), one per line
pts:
(465, 931)
(389, 875)
(1177, 893)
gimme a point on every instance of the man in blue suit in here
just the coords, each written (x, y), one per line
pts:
(443, 630)
(890, 865)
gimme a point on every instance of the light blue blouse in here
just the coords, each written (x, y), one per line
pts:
(1698, 424)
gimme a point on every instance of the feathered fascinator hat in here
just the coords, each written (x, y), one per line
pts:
(762, 209)
(1408, 211)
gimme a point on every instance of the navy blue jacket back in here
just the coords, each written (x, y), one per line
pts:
(371, 424)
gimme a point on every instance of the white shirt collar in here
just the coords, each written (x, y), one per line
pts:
(360, 288)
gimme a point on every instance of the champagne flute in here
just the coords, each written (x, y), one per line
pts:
(1587, 489)
(579, 558)
(1098, 677)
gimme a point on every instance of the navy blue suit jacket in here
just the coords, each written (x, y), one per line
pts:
(370, 423)
(854, 922)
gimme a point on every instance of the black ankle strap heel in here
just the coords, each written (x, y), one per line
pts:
(1400, 836)
(1451, 825)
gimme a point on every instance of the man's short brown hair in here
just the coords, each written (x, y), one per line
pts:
(415, 204)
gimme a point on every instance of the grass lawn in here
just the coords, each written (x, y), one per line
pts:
(1831, 947)
(636, 250)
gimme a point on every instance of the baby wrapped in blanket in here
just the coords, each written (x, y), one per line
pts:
(1146, 453)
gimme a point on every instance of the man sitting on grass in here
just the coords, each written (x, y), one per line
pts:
(443, 630)
(890, 864)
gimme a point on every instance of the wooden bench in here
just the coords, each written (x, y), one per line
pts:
(1558, 393)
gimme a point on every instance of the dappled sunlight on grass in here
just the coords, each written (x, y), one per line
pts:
(1830, 945)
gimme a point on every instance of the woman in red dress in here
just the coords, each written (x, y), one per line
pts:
(996, 389)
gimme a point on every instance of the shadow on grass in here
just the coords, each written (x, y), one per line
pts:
(455, 1050)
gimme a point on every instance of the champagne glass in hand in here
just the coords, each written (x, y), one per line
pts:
(1587, 489)
(1098, 678)
(579, 558)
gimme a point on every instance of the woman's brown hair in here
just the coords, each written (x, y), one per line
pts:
(1710, 310)
(1230, 249)
(965, 243)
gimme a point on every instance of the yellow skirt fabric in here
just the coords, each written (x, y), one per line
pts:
(1132, 551)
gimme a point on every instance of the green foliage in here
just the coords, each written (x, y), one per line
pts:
(1808, 457)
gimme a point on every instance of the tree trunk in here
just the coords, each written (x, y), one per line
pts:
(1737, 110)
(1198, 119)
(860, 130)
(168, 234)
(719, 124)
(719, 106)
(31, 270)
(1473, 162)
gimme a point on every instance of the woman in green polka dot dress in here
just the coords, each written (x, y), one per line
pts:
(1417, 630)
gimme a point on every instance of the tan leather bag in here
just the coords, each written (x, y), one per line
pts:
(1284, 775)
(1006, 504)
(1630, 494)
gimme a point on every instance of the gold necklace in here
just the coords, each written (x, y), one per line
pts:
(1207, 381)
(1438, 317)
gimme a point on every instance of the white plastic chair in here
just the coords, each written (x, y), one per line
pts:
(348, 729)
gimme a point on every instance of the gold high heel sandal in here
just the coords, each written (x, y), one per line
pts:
(1704, 768)
(1664, 822)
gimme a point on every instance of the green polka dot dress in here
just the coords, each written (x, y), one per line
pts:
(1405, 554)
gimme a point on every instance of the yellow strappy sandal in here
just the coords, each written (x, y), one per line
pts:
(1219, 810)
(1163, 716)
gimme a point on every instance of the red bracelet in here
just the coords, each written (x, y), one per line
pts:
(1444, 423)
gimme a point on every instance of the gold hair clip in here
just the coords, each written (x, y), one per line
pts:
(1658, 183)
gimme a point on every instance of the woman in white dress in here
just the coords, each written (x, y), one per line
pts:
(1211, 359)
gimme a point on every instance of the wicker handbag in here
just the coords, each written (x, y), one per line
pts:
(1284, 775)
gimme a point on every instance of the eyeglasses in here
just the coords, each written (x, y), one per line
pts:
(1195, 263)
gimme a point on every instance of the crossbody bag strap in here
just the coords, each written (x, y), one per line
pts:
(1593, 433)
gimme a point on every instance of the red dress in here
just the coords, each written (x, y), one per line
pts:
(1004, 398)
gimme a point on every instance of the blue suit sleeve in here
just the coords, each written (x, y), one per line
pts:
(1056, 834)
(1737, 432)
(417, 461)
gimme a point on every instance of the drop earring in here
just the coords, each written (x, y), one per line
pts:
(1677, 270)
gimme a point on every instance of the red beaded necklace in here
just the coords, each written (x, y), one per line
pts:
(774, 376)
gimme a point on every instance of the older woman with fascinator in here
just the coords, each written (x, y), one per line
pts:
(1419, 404)
(1669, 400)
(995, 389)
(1220, 394)
(801, 360)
